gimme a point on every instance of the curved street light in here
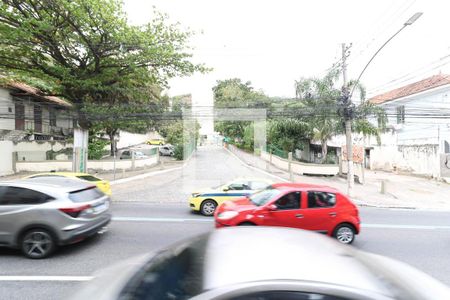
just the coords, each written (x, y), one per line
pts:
(409, 22)
(348, 97)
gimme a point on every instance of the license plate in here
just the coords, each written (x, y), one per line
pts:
(101, 207)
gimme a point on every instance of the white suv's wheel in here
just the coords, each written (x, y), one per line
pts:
(37, 243)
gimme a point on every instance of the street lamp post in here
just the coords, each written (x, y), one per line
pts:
(348, 113)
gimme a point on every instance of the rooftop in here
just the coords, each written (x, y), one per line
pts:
(23, 89)
(411, 89)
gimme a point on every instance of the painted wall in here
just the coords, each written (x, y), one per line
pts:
(416, 159)
(6, 166)
(92, 165)
(36, 150)
(7, 123)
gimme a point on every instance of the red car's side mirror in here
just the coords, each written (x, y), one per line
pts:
(271, 207)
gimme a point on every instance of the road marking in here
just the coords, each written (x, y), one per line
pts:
(46, 278)
(210, 220)
(147, 219)
(405, 226)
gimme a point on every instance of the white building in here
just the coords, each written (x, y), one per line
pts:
(32, 125)
(418, 136)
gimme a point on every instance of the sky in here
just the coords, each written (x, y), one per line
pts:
(274, 43)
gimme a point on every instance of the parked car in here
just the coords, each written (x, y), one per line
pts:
(251, 263)
(127, 154)
(166, 151)
(39, 214)
(101, 184)
(206, 201)
(156, 142)
(311, 207)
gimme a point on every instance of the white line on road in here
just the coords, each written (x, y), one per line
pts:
(405, 226)
(210, 220)
(145, 219)
(45, 278)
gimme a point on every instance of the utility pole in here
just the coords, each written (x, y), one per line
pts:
(348, 123)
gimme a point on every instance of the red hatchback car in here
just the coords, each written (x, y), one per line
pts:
(311, 207)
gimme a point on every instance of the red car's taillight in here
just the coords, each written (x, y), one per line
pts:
(75, 211)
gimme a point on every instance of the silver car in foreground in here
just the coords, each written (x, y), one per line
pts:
(39, 214)
(262, 263)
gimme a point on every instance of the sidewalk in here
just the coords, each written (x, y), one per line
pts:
(109, 175)
(402, 191)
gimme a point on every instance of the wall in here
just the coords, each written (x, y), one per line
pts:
(301, 168)
(103, 165)
(416, 159)
(36, 151)
(6, 102)
(6, 163)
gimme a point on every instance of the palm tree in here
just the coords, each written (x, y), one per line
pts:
(323, 109)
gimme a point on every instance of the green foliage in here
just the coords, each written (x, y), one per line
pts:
(175, 132)
(85, 50)
(181, 102)
(179, 152)
(96, 147)
(234, 93)
(288, 134)
(321, 97)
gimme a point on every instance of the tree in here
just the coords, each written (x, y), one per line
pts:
(288, 134)
(129, 112)
(233, 93)
(85, 51)
(324, 110)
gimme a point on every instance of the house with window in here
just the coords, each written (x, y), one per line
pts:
(33, 126)
(26, 113)
(418, 128)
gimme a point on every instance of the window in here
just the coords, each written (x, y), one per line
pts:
(286, 295)
(401, 114)
(52, 117)
(10, 195)
(321, 199)
(239, 186)
(170, 274)
(289, 201)
(89, 178)
(264, 196)
(85, 195)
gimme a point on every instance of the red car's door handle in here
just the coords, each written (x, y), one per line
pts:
(333, 214)
(299, 216)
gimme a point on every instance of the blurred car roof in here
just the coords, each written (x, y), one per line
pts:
(229, 258)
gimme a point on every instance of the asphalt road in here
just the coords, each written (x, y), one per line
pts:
(145, 220)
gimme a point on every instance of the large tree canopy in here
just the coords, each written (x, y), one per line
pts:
(85, 50)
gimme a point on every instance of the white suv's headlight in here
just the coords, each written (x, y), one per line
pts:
(226, 215)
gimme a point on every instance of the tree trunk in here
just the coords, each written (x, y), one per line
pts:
(112, 133)
(324, 150)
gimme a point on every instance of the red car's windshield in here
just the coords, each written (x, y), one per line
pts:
(264, 196)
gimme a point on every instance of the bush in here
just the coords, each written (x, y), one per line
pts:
(178, 152)
(96, 148)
